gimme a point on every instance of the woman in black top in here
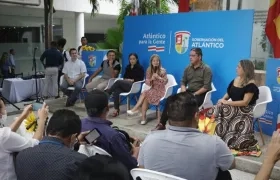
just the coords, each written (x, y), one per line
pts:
(133, 72)
(234, 112)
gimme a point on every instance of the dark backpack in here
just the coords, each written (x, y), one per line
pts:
(126, 136)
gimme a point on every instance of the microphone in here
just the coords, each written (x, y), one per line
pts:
(36, 48)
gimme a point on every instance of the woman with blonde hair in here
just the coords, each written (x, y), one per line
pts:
(234, 112)
(156, 78)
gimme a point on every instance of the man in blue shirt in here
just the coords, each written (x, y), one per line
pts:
(110, 140)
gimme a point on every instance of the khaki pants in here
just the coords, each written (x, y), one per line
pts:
(98, 83)
(51, 86)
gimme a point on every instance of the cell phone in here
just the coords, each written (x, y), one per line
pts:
(92, 136)
(36, 106)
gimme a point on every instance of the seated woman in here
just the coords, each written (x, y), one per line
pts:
(133, 72)
(235, 117)
(156, 78)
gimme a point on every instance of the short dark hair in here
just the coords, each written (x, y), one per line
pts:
(64, 123)
(11, 50)
(72, 49)
(182, 106)
(101, 167)
(111, 51)
(83, 38)
(198, 51)
(61, 42)
(96, 101)
(53, 44)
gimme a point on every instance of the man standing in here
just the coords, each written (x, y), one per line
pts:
(191, 153)
(12, 62)
(197, 79)
(53, 59)
(111, 69)
(60, 46)
(84, 43)
(74, 73)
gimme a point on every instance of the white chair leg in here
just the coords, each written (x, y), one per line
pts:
(260, 129)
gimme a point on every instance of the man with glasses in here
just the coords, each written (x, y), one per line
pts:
(197, 79)
(110, 68)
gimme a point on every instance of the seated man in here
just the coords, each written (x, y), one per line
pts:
(110, 140)
(111, 69)
(53, 158)
(197, 79)
(74, 73)
(191, 153)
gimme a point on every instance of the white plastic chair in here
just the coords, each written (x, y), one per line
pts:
(92, 150)
(136, 87)
(146, 174)
(111, 82)
(73, 88)
(207, 99)
(168, 90)
(265, 97)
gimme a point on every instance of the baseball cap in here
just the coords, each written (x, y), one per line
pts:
(96, 100)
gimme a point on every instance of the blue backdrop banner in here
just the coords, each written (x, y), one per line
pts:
(93, 59)
(271, 120)
(224, 36)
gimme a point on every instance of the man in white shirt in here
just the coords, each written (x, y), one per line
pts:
(74, 72)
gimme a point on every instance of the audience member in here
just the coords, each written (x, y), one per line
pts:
(11, 142)
(60, 46)
(84, 43)
(133, 72)
(272, 155)
(197, 79)
(100, 167)
(53, 60)
(111, 69)
(53, 158)
(234, 112)
(156, 78)
(12, 61)
(74, 74)
(6, 66)
(182, 150)
(3, 114)
(110, 140)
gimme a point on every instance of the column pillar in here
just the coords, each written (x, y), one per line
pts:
(80, 27)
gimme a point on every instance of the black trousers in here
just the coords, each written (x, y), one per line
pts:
(117, 88)
(164, 117)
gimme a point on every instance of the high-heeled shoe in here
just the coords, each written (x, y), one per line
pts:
(115, 113)
(132, 112)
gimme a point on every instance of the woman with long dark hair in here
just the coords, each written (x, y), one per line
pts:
(156, 78)
(133, 72)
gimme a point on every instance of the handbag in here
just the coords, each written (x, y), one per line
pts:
(206, 124)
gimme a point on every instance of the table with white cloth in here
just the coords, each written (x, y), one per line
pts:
(17, 89)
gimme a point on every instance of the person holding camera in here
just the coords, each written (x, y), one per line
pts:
(116, 142)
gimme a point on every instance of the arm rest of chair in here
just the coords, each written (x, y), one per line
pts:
(260, 108)
(168, 91)
(136, 87)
